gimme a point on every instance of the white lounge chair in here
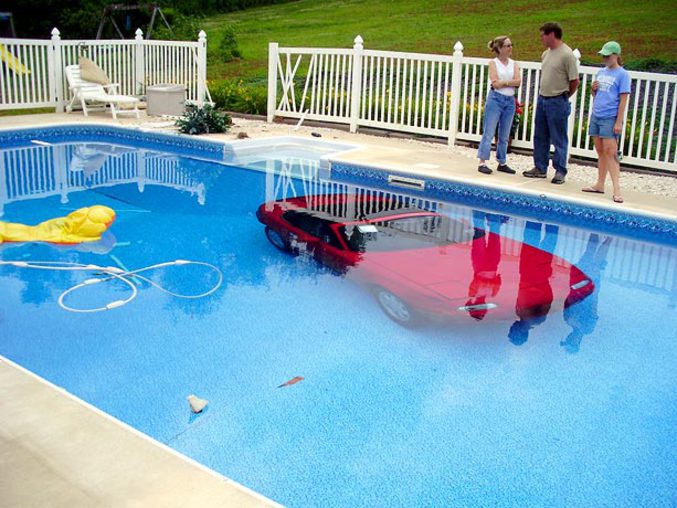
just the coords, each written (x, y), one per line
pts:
(86, 91)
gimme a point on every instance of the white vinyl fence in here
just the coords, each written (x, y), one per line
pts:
(443, 95)
(32, 70)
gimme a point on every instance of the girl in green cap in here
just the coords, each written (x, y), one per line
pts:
(610, 90)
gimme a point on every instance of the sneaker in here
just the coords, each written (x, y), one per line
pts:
(504, 168)
(483, 168)
(559, 178)
(534, 173)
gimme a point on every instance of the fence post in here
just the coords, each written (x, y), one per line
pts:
(141, 170)
(56, 72)
(139, 65)
(272, 80)
(61, 172)
(201, 67)
(454, 110)
(572, 116)
(356, 83)
(4, 198)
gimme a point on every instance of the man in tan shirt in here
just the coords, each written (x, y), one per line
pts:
(559, 81)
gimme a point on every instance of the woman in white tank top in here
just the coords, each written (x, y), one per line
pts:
(505, 78)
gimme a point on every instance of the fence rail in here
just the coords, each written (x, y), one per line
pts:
(32, 70)
(444, 95)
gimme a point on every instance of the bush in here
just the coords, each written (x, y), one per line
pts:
(203, 120)
(250, 97)
(228, 48)
(212, 6)
(642, 64)
(652, 65)
(184, 28)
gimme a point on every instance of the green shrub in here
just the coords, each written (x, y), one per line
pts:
(228, 48)
(183, 28)
(250, 97)
(212, 6)
(203, 120)
(650, 64)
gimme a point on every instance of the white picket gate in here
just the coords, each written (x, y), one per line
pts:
(444, 95)
(32, 70)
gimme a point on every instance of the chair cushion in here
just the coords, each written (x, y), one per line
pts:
(91, 72)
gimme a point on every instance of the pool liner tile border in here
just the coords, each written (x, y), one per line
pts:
(540, 207)
(176, 144)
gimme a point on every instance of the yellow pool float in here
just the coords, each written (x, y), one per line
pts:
(83, 225)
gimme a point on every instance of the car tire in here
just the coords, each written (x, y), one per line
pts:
(395, 308)
(278, 241)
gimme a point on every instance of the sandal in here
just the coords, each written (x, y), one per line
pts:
(592, 190)
(618, 199)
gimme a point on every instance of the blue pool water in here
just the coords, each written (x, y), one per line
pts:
(581, 412)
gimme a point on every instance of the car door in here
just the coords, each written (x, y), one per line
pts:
(330, 251)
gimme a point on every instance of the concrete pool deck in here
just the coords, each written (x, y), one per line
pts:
(57, 450)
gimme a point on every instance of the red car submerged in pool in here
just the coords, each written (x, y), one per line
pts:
(419, 262)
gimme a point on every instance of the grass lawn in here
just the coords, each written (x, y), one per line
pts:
(644, 28)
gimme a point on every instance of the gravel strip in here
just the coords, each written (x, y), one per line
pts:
(587, 175)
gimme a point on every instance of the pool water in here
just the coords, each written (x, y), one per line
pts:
(579, 409)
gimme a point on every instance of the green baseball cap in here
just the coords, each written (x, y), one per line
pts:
(610, 48)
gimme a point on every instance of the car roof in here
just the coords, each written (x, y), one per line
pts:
(397, 211)
(335, 209)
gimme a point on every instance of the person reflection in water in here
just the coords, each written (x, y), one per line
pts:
(534, 294)
(582, 315)
(485, 255)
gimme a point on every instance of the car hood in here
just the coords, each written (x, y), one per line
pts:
(451, 272)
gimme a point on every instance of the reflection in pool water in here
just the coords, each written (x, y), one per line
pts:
(448, 414)
(418, 263)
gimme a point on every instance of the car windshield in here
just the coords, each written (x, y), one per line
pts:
(405, 233)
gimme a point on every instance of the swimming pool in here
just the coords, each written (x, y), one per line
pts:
(580, 413)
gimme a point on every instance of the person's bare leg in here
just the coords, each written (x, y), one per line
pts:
(601, 165)
(613, 167)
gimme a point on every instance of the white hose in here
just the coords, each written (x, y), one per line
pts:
(114, 273)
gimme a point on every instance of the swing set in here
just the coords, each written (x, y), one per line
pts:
(111, 11)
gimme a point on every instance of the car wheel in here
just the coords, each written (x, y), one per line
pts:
(277, 240)
(395, 308)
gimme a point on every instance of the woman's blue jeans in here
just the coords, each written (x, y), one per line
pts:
(498, 113)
